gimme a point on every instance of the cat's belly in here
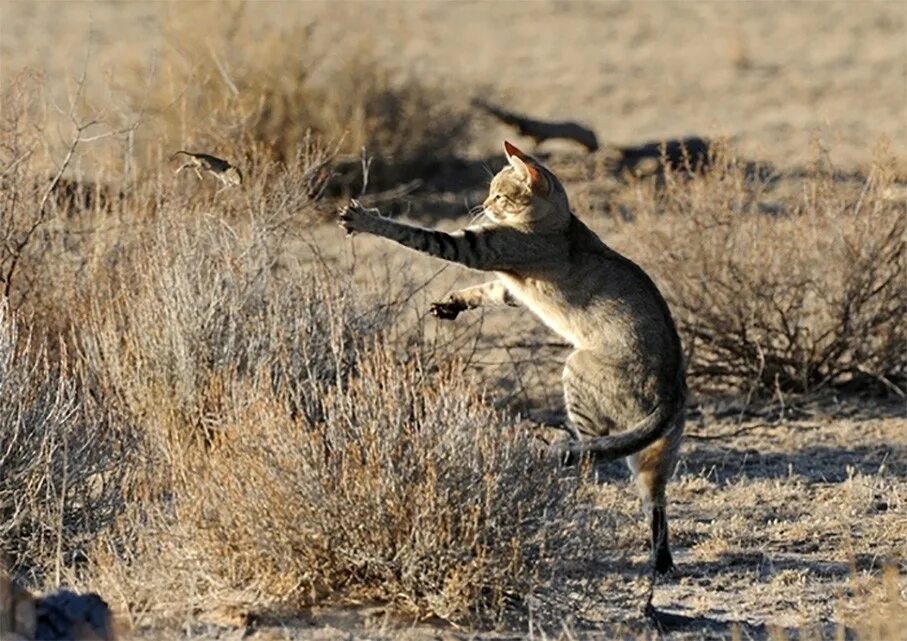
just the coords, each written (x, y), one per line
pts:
(549, 305)
(561, 326)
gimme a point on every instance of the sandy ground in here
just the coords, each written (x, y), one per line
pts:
(785, 524)
(780, 526)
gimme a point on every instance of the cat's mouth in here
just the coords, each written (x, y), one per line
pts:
(490, 215)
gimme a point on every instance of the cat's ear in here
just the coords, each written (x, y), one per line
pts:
(526, 167)
(511, 150)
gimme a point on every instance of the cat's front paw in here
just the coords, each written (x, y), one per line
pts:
(356, 218)
(447, 310)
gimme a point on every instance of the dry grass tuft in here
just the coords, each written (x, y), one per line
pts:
(63, 464)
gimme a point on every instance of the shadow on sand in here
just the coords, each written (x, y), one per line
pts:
(446, 187)
(705, 627)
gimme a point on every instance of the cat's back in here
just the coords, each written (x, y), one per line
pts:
(622, 295)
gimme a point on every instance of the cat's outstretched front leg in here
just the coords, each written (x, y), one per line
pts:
(484, 295)
(486, 248)
(356, 218)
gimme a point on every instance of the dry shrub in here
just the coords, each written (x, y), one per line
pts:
(242, 87)
(301, 456)
(59, 478)
(196, 308)
(791, 296)
(410, 490)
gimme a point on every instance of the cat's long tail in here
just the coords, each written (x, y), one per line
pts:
(665, 416)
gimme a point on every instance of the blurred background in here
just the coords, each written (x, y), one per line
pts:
(775, 77)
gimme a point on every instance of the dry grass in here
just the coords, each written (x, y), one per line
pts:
(779, 293)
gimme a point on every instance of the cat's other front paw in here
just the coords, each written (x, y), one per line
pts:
(355, 218)
(446, 310)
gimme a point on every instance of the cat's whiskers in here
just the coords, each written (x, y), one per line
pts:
(477, 212)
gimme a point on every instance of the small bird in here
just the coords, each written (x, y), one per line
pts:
(217, 167)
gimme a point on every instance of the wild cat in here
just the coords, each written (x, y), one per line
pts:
(217, 167)
(624, 383)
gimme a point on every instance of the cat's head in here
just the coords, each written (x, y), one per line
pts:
(526, 193)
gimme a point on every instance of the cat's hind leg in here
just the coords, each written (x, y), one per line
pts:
(653, 467)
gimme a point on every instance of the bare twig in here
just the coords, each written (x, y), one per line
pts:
(22, 157)
(223, 71)
(395, 193)
(721, 437)
(366, 162)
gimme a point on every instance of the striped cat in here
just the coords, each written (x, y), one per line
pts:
(624, 383)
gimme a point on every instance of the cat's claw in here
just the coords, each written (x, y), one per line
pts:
(355, 218)
(448, 310)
